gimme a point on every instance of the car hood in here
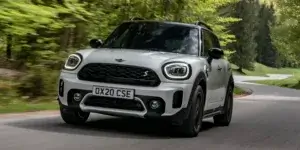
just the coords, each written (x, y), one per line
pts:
(150, 59)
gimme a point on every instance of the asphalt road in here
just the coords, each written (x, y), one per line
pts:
(268, 119)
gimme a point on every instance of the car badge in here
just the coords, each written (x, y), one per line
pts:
(119, 60)
(145, 73)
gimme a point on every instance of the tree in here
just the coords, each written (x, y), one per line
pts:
(266, 51)
(245, 32)
(286, 32)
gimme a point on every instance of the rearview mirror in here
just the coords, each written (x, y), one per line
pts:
(96, 43)
(216, 53)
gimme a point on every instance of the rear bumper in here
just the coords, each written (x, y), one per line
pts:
(165, 92)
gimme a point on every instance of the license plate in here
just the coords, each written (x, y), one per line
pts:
(113, 92)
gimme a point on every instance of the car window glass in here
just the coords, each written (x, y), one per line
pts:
(155, 36)
(215, 40)
(208, 42)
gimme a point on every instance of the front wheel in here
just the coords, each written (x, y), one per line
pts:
(74, 117)
(225, 118)
(192, 125)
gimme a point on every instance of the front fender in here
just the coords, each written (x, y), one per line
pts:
(200, 80)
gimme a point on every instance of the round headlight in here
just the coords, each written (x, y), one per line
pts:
(73, 61)
(177, 70)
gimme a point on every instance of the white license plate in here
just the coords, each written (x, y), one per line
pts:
(113, 92)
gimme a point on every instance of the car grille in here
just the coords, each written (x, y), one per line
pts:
(118, 74)
(114, 103)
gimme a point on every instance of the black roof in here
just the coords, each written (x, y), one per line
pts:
(196, 25)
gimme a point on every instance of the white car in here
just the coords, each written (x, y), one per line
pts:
(153, 70)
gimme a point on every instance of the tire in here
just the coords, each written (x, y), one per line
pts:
(225, 118)
(192, 125)
(74, 117)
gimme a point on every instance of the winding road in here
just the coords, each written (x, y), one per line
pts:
(267, 119)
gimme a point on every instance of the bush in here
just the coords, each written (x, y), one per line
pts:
(7, 92)
(39, 81)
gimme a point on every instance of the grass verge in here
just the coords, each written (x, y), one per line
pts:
(11, 102)
(262, 70)
(19, 107)
(238, 92)
(291, 82)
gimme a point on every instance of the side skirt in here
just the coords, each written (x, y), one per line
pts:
(212, 112)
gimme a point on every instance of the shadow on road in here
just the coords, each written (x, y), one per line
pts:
(106, 127)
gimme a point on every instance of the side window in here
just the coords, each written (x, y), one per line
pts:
(210, 41)
(207, 42)
(216, 43)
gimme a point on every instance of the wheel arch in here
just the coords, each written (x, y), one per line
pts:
(199, 80)
(231, 81)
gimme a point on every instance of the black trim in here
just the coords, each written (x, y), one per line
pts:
(177, 99)
(114, 103)
(137, 18)
(200, 77)
(72, 107)
(212, 112)
(179, 117)
(61, 87)
(81, 57)
(150, 112)
(204, 25)
(189, 75)
(154, 80)
(70, 100)
(176, 119)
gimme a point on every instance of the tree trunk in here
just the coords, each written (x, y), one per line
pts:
(240, 69)
(8, 46)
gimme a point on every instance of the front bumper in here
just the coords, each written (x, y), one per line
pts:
(165, 92)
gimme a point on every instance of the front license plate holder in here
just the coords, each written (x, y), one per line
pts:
(113, 92)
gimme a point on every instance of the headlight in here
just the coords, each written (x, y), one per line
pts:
(73, 61)
(177, 70)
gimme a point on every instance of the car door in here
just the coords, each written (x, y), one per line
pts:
(214, 80)
(222, 70)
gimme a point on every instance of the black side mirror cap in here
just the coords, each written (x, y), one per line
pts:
(96, 43)
(216, 53)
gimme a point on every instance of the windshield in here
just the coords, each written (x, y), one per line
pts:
(156, 37)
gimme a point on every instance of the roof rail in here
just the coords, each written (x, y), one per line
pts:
(137, 18)
(200, 23)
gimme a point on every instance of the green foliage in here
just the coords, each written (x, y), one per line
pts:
(41, 33)
(245, 32)
(49, 26)
(37, 35)
(292, 82)
(38, 82)
(239, 91)
(266, 52)
(7, 91)
(18, 106)
(286, 32)
(262, 70)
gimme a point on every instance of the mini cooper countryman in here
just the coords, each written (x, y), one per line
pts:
(152, 70)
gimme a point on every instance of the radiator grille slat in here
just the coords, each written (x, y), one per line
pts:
(118, 74)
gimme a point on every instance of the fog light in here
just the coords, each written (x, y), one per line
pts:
(77, 97)
(154, 104)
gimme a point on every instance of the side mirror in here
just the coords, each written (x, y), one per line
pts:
(96, 43)
(216, 53)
